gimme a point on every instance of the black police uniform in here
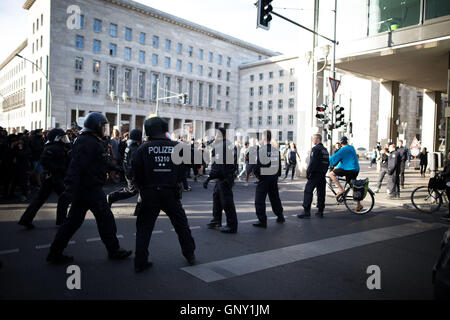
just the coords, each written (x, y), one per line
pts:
(267, 184)
(55, 160)
(403, 154)
(393, 185)
(383, 169)
(159, 180)
(85, 180)
(315, 173)
(223, 172)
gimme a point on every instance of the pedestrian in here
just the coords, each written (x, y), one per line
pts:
(383, 168)
(223, 167)
(36, 145)
(55, 161)
(158, 180)
(446, 175)
(20, 168)
(130, 190)
(115, 142)
(374, 157)
(423, 157)
(85, 180)
(267, 170)
(393, 185)
(243, 160)
(403, 153)
(315, 173)
(291, 161)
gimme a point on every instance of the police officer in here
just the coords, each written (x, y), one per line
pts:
(393, 185)
(317, 169)
(223, 167)
(158, 180)
(55, 160)
(403, 154)
(85, 180)
(130, 190)
(267, 170)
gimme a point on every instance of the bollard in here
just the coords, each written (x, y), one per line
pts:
(433, 163)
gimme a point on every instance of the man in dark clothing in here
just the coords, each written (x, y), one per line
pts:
(384, 168)
(267, 170)
(315, 173)
(403, 154)
(19, 159)
(423, 156)
(223, 168)
(36, 145)
(158, 180)
(130, 190)
(85, 180)
(55, 160)
(393, 186)
(446, 175)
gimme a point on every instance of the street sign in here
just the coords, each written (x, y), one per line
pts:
(334, 85)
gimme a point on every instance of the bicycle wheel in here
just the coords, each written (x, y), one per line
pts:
(351, 204)
(426, 200)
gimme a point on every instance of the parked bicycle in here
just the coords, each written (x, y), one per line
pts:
(429, 199)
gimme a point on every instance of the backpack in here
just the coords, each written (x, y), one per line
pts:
(360, 188)
(437, 182)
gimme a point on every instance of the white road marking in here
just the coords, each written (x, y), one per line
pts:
(247, 221)
(9, 251)
(242, 265)
(93, 239)
(409, 219)
(43, 246)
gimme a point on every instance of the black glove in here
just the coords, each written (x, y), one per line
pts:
(205, 184)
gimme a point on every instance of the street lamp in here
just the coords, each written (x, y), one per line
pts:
(48, 99)
(325, 52)
(113, 96)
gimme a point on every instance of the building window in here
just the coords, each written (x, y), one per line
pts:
(179, 48)
(128, 34)
(280, 88)
(219, 90)
(42, 41)
(155, 41)
(280, 120)
(219, 59)
(210, 57)
(167, 62)
(250, 106)
(270, 89)
(227, 106)
(113, 30)
(180, 85)
(142, 38)
(81, 21)
(252, 77)
(168, 43)
(227, 91)
(291, 87)
(179, 65)
(190, 51)
(154, 59)
(210, 95)
(292, 71)
(210, 71)
(40, 106)
(190, 91)
(97, 25)
(128, 54)
(250, 122)
(228, 62)
(200, 70)
(290, 136)
(270, 104)
(291, 119)
(280, 135)
(200, 54)
(154, 85)
(112, 49)
(167, 88)
(219, 74)
(95, 86)
(127, 82)
(97, 46)
(79, 41)
(291, 102)
(200, 94)
(269, 120)
(260, 90)
(141, 85)
(112, 79)
(219, 104)
(280, 104)
(281, 73)
(190, 67)
(228, 76)
(142, 56)
(78, 85)
(270, 75)
(260, 105)
(79, 63)
(252, 90)
(96, 66)
(259, 121)
(261, 76)
(42, 19)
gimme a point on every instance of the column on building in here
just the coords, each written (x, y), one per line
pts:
(388, 112)
(430, 120)
(171, 124)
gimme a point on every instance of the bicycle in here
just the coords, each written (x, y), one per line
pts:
(429, 199)
(347, 197)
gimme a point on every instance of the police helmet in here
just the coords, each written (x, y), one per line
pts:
(156, 127)
(343, 140)
(136, 135)
(55, 135)
(94, 123)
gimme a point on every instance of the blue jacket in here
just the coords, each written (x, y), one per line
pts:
(347, 158)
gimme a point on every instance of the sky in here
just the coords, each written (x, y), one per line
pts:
(233, 17)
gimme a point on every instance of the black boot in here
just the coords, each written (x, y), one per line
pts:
(305, 214)
(119, 254)
(27, 225)
(227, 229)
(281, 219)
(260, 225)
(191, 260)
(142, 267)
(214, 224)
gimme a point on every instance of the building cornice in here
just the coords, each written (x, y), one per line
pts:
(135, 6)
(28, 4)
(13, 54)
(270, 60)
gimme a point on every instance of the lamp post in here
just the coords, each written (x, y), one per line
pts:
(48, 98)
(113, 96)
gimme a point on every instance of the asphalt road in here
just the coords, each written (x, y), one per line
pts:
(300, 259)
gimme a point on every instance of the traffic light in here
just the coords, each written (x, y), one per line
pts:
(339, 116)
(184, 99)
(264, 16)
(320, 112)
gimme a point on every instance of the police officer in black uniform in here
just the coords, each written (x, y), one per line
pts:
(403, 153)
(55, 161)
(85, 180)
(130, 190)
(393, 184)
(223, 168)
(267, 170)
(158, 180)
(315, 173)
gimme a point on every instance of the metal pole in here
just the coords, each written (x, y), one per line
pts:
(118, 113)
(333, 70)
(157, 96)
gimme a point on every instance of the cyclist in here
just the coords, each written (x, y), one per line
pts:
(346, 165)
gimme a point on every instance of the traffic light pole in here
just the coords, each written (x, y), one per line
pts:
(333, 70)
